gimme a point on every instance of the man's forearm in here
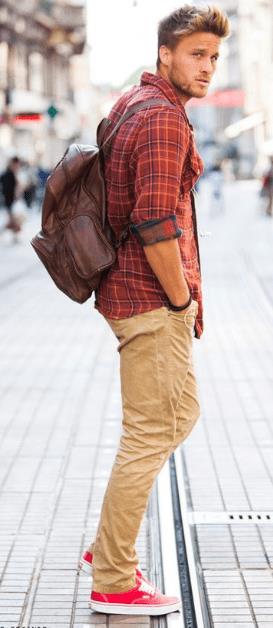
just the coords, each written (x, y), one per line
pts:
(165, 260)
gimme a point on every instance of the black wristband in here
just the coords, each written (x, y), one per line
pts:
(179, 308)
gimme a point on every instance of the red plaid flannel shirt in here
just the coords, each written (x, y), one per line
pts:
(151, 168)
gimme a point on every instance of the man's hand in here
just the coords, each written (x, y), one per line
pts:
(165, 260)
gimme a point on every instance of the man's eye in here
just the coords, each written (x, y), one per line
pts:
(197, 54)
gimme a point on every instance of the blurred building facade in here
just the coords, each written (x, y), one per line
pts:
(39, 43)
(236, 120)
(224, 105)
(256, 60)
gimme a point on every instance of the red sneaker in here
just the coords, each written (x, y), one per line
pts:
(143, 599)
(85, 565)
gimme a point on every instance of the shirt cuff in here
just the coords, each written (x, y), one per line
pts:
(152, 231)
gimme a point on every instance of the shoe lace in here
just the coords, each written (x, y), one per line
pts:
(146, 587)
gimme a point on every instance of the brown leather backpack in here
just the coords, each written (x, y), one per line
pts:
(76, 244)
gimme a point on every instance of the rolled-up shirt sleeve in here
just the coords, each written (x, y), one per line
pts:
(159, 157)
(152, 231)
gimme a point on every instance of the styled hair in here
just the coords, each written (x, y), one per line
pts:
(191, 19)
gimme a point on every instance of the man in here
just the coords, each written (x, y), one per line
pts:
(9, 182)
(267, 188)
(151, 297)
(9, 191)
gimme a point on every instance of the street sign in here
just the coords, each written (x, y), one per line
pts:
(28, 117)
(52, 111)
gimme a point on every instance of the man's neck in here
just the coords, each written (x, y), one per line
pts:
(183, 98)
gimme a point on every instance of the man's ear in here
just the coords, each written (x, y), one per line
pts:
(164, 55)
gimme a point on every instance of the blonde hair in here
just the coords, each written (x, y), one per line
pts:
(191, 19)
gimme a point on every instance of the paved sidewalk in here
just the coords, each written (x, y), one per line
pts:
(229, 455)
(59, 428)
(60, 423)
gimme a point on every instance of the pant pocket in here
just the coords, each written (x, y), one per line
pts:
(186, 317)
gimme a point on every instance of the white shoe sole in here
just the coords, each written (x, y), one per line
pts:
(85, 567)
(134, 609)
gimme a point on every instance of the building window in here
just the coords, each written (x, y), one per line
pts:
(20, 67)
(60, 79)
(4, 53)
(36, 72)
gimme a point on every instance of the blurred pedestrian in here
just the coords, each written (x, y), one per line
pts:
(29, 181)
(267, 189)
(151, 297)
(10, 192)
(216, 179)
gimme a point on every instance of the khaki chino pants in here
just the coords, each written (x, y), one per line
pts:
(160, 408)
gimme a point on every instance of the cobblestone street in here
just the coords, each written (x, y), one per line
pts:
(60, 423)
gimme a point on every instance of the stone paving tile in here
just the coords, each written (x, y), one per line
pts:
(124, 619)
(50, 624)
(51, 605)
(232, 604)
(59, 616)
(94, 619)
(10, 624)
(9, 616)
(87, 617)
(232, 618)
(120, 624)
(234, 624)
(7, 606)
(90, 625)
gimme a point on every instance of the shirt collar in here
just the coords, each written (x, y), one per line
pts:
(147, 78)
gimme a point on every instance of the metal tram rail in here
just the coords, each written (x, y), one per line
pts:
(181, 573)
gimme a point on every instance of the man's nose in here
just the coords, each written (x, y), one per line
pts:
(207, 66)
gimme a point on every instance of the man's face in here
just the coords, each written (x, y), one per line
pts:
(190, 67)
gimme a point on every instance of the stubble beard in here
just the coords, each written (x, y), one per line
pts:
(183, 89)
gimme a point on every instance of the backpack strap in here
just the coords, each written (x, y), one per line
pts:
(138, 107)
